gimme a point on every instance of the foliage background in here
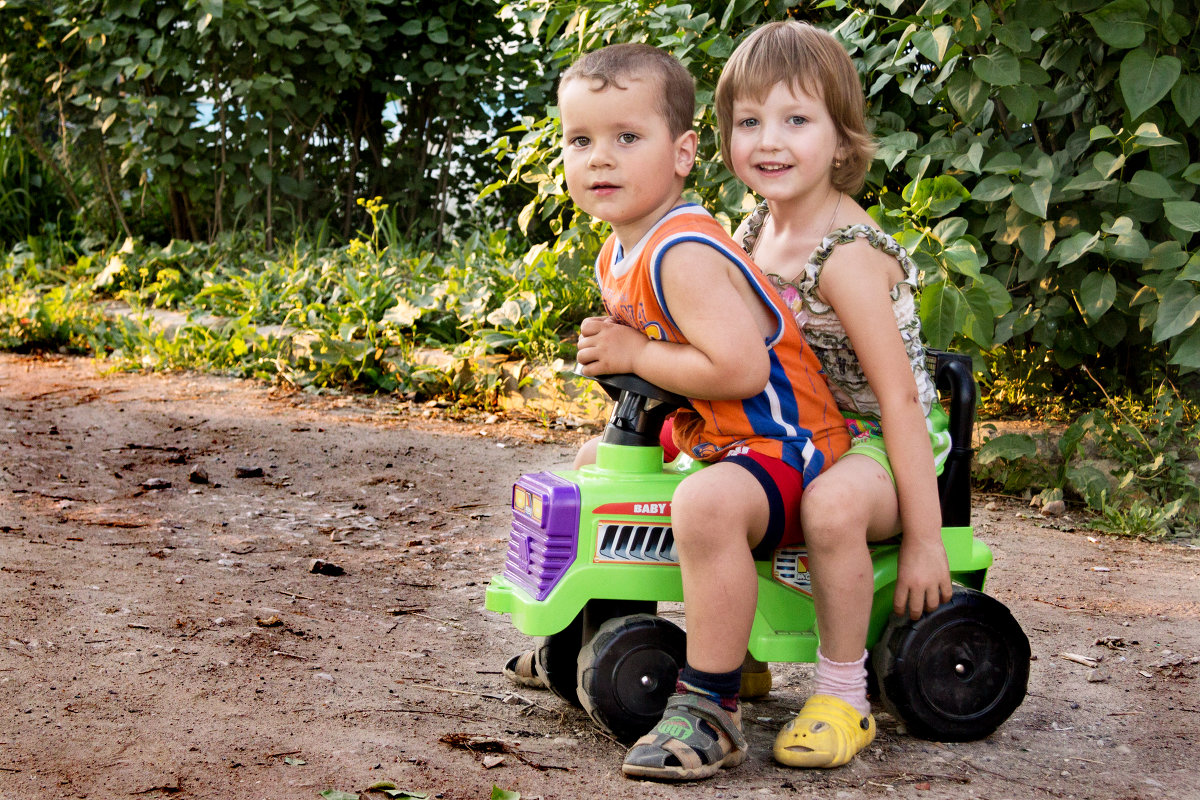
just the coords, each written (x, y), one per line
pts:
(332, 190)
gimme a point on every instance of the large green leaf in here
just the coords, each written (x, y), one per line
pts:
(1151, 184)
(1187, 352)
(1178, 311)
(1033, 198)
(999, 67)
(980, 323)
(1145, 78)
(1021, 101)
(937, 197)
(1097, 293)
(1121, 24)
(1185, 96)
(1184, 214)
(1074, 247)
(968, 94)
(942, 313)
(1035, 239)
(1008, 447)
(992, 188)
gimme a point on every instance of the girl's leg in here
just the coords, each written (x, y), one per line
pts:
(848, 505)
(851, 503)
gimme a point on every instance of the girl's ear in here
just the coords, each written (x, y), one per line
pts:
(685, 153)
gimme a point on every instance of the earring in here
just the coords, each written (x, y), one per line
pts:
(837, 163)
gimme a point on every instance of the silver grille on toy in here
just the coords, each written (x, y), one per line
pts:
(624, 542)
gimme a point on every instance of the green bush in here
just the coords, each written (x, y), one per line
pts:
(1039, 155)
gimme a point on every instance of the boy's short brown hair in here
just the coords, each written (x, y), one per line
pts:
(619, 62)
(805, 58)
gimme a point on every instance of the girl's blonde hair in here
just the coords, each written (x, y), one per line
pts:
(809, 59)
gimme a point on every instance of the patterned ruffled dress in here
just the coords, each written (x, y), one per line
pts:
(827, 336)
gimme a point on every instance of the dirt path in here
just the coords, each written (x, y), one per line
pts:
(172, 642)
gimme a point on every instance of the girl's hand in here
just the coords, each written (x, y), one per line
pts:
(923, 576)
(607, 347)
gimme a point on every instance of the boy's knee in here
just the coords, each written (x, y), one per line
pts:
(711, 506)
(587, 453)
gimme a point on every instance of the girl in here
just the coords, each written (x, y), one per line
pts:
(790, 109)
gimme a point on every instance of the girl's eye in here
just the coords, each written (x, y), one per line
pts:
(627, 138)
(796, 119)
(579, 141)
(748, 122)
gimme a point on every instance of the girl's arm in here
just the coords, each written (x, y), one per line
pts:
(857, 282)
(725, 358)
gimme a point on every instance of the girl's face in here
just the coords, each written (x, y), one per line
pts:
(783, 146)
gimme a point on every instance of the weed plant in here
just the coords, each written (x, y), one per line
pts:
(1134, 462)
(381, 314)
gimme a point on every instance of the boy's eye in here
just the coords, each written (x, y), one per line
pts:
(579, 141)
(796, 119)
(627, 138)
(748, 122)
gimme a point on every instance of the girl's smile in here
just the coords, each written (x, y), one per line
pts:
(783, 145)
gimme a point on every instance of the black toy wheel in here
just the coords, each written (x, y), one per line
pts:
(558, 657)
(628, 670)
(956, 673)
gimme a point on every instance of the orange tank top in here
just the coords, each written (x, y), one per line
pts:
(794, 418)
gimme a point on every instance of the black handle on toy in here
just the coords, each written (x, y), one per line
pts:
(952, 374)
(641, 409)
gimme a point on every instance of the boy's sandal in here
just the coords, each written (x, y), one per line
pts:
(523, 670)
(827, 732)
(695, 739)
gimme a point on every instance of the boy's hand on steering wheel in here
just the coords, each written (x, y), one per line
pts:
(607, 346)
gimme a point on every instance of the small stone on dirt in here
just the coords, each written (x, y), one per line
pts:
(322, 567)
(248, 472)
(198, 474)
(154, 484)
(1055, 508)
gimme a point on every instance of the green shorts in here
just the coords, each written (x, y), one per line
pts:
(866, 439)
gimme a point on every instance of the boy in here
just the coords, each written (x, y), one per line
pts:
(690, 313)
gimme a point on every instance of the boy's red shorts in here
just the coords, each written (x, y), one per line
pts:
(782, 483)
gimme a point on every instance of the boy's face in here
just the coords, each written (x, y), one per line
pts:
(621, 162)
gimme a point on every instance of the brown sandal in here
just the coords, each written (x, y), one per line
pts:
(524, 670)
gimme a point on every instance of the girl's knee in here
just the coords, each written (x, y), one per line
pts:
(833, 512)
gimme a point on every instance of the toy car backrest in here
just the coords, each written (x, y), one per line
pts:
(953, 376)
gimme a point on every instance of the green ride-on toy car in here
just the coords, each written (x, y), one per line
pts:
(590, 555)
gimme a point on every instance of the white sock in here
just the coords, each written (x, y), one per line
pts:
(845, 680)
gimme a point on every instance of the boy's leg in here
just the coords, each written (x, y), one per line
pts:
(717, 515)
(587, 453)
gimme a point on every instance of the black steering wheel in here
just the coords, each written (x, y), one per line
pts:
(641, 409)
